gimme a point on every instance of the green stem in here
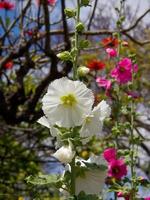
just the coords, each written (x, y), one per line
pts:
(132, 148)
(75, 63)
(115, 195)
(73, 176)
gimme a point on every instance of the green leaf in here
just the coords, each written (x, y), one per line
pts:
(42, 179)
(83, 196)
(94, 166)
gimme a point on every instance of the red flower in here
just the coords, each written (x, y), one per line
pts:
(147, 198)
(109, 42)
(50, 2)
(110, 154)
(117, 169)
(95, 65)
(29, 32)
(9, 65)
(7, 5)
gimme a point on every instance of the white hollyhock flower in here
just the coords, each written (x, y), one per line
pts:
(67, 102)
(64, 154)
(93, 180)
(93, 123)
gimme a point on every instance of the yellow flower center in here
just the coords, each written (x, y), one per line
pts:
(88, 119)
(68, 100)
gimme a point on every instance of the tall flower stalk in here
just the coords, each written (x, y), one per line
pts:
(76, 36)
(132, 164)
(75, 65)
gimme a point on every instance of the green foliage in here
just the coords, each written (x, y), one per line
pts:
(43, 179)
(94, 166)
(83, 196)
(16, 163)
(30, 85)
(70, 12)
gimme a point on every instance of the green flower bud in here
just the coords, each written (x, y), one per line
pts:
(70, 12)
(82, 71)
(80, 27)
(84, 44)
(85, 2)
(122, 18)
(115, 34)
(65, 55)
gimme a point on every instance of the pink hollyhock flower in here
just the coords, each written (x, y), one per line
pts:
(121, 75)
(110, 154)
(123, 71)
(117, 169)
(121, 194)
(105, 83)
(7, 5)
(111, 52)
(147, 198)
(125, 63)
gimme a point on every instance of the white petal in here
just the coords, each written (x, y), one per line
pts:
(64, 154)
(43, 120)
(105, 110)
(92, 183)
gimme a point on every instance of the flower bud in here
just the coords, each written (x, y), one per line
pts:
(80, 27)
(70, 12)
(65, 55)
(84, 44)
(85, 2)
(111, 52)
(125, 44)
(64, 154)
(82, 71)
